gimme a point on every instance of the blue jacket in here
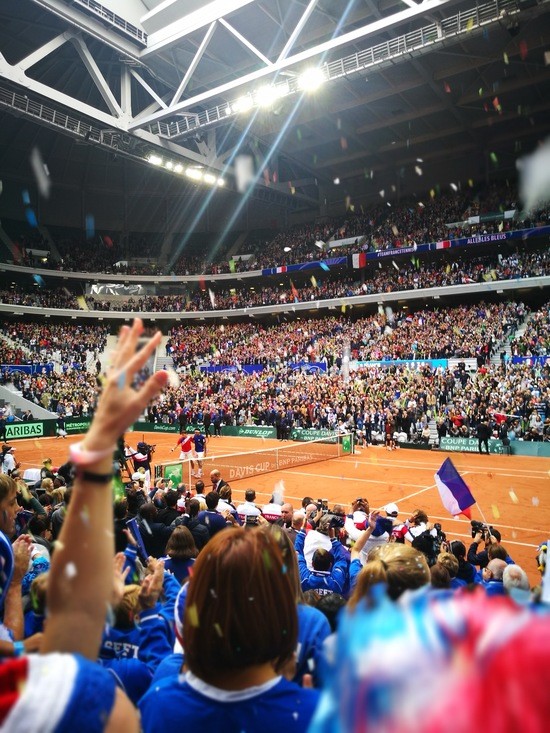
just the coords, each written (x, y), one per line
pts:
(323, 582)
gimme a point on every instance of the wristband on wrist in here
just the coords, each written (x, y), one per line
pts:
(81, 457)
(93, 478)
(18, 648)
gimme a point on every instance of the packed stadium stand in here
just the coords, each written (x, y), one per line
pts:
(254, 253)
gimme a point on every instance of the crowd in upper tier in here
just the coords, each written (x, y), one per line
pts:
(386, 225)
(390, 276)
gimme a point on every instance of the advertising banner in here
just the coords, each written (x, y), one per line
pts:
(250, 431)
(468, 445)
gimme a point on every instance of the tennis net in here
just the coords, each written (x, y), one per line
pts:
(237, 466)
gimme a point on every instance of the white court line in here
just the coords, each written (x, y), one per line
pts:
(423, 467)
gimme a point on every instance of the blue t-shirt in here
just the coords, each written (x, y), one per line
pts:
(199, 440)
(186, 703)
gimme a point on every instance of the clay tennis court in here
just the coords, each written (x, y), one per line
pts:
(405, 477)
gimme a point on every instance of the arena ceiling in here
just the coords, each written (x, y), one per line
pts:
(415, 95)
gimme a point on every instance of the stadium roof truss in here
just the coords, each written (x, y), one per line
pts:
(172, 75)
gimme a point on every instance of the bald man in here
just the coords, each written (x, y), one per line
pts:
(492, 578)
(217, 481)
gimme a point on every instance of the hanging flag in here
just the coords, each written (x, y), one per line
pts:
(232, 265)
(359, 260)
(455, 494)
(294, 291)
(443, 245)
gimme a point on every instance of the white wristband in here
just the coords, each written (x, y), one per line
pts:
(82, 457)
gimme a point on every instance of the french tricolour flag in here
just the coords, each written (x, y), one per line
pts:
(455, 494)
(445, 244)
(281, 269)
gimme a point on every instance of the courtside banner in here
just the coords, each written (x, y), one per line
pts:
(468, 445)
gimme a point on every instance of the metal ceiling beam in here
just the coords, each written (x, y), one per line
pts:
(44, 51)
(88, 24)
(297, 30)
(150, 91)
(245, 41)
(298, 58)
(170, 34)
(97, 77)
(194, 63)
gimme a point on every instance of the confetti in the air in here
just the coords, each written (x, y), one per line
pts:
(313, 281)
(534, 177)
(394, 263)
(470, 24)
(447, 88)
(523, 49)
(535, 501)
(193, 616)
(147, 527)
(70, 570)
(496, 513)
(31, 217)
(343, 307)
(343, 143)
(418, 170)
(90, 226)
(173, 379)
(513, 496)
(471, 182)
(382, 193)
(506, 59)
(494, 158)
(212, 298)
(432, 193)
(41, 173)
(324, 266)
(454, 186)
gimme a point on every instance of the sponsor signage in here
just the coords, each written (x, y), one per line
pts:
(25, 430)
(80, 425)
(468, 445)
(264, 465)
(151, 427)
(303, 434)
(250, 431)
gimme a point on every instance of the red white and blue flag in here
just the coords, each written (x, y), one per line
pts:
(455, 494)
(280, 269)
(445, 244)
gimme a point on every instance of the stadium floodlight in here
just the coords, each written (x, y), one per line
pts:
(169, 165)
(266, 96)
(220, 182)
(178, 168)
(243, 104)
(311, 79)
(194, 174)
(154, 159)
(209, 178)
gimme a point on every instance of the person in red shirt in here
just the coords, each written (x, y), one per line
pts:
(186, 447)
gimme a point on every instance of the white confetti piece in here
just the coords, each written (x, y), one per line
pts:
(535, 501)
(513, 496)
(454, 186)
(382, 193)
(147, 527)
(70, 570)
(212, 298)
(40, 173)
(173, 379)
(418, 170)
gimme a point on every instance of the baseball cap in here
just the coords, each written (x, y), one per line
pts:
(391, 509)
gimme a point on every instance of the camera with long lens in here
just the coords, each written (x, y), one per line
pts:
(480, 528)
(146, 448)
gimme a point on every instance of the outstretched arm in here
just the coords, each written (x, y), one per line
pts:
(80, 583)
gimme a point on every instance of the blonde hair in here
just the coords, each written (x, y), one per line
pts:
(47, 485)
(449, 561)
(127, 608)
(58, 495)
(399, 567)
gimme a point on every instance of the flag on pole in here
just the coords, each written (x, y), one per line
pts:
(455, 494)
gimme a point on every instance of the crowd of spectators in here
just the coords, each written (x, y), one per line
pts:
(39, 297)
(384, 226)
(389, 277)
(467, 331)
(213, 609)
(70, 345)
(535, 340)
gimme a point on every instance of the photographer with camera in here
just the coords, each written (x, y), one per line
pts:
(489, 535)
(329, 571)
(142, 458)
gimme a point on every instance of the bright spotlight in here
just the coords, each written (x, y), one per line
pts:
(209, 178)
(243, 104)
(311, 79)
(194, 174)
(170, 165)
(154, 159)
(265, 96)
(178, 168)
(220, 182)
